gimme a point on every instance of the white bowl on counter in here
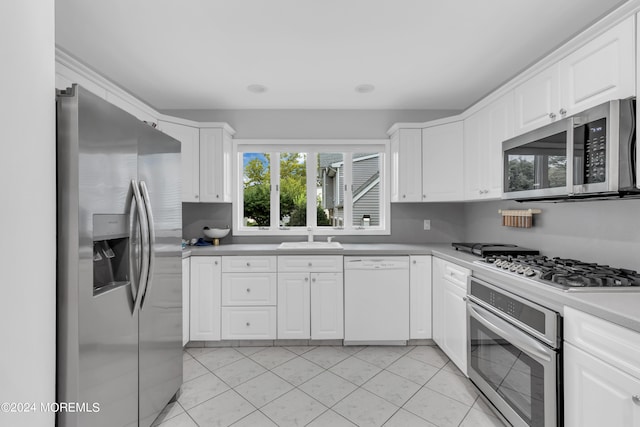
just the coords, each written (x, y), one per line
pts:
(216, 234)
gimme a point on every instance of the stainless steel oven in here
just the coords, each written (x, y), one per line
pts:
(514, 355)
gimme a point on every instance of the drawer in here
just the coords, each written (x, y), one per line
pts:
(611, 343)
(455, 274)
(256, 264)
(254, 323)
(249, 288)
(314, 263)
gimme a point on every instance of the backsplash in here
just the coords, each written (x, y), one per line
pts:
(447, 224)
(607, 232)
(603, 231)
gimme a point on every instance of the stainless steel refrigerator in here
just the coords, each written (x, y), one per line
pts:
(119, 308)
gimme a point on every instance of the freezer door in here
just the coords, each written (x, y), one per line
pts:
(97, 361)
(160, 328)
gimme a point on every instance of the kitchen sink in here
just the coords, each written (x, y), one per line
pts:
(310, 245)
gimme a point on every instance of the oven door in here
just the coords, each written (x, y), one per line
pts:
(516, 372)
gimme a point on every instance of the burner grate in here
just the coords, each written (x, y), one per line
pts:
(566, 272)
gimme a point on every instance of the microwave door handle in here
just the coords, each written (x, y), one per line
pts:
(142, 218)
(512, 334)
(570, 153)
(152, 241)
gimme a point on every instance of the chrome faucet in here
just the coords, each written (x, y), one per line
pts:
(310, 236)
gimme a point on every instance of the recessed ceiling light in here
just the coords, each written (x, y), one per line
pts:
(257, 88)
(365, 88)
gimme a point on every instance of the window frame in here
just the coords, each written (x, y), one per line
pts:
(311, 147)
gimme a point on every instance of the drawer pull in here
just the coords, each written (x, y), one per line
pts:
(310, 264)
(313, 280)
(248, 290)
(248, 324)
(306, 279)
(248, 264)
(636, 399)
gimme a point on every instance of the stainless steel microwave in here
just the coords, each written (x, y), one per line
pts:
(590, 154)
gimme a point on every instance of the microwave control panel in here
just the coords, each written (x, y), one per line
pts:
(593, 137)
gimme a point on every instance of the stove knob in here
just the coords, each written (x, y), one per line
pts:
(514, 267)
(521, 269)
(498, 262)
(506, 265)
(529, 272)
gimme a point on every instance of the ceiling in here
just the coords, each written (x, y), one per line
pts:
(311, 54)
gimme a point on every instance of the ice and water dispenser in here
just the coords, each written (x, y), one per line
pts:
(110, 252)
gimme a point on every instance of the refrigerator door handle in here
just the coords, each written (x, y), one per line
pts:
(152, 241)
(142, 279)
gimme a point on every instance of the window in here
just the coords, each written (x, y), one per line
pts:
(330, 186)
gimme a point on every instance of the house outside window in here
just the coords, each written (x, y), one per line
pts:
(333, 187)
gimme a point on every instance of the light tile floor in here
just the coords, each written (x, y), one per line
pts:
(324, 387)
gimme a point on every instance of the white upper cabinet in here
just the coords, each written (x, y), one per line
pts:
(406, 168)
(206, 161)
(537, 101)
(215, 165)
(442, 165)
(484, 133)
(190, 139)
(601, 70)
(426, 164)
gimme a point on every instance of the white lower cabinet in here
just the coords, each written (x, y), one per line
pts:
(420, 297)
(327, 306)
(601, 372)
(598, 394)
(205, 279)
(310, 297)
(294, 306)
(249, 297)
(186, 283)
(450, 310)
(250, 323)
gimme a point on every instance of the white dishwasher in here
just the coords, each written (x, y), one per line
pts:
(376, 300)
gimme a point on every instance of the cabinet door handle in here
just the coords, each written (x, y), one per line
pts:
(313, 280)
(310, 264)
(636, 399)
(552, 116)
(216, 262)
(414, 261)
(404, 196)
(217, 196)
(248, 264)
(563, 112)
(196, 196)
(306, 279)
(248, 324)
(248, 290)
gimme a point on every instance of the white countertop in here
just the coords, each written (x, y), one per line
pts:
(622, 308)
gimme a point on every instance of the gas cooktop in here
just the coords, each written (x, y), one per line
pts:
(566, 274)
(488, 249)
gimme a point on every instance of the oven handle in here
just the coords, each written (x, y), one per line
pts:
(512, 334)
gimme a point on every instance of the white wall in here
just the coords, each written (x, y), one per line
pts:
(602, 231)
(27, 179)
